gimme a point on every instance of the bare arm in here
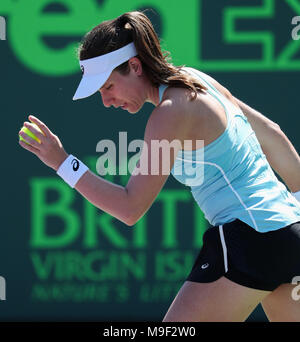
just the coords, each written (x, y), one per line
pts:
(279, 151)
(128, 204)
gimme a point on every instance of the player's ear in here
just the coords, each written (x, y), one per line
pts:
(136, 65)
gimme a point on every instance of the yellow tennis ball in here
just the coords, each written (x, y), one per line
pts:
(30, 134)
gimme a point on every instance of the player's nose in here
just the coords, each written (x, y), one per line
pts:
(107, 99)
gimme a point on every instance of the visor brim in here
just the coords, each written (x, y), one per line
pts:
(89, 85)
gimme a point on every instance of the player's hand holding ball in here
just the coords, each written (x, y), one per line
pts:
(37, 138)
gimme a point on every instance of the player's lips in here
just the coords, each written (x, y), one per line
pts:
(123, 106)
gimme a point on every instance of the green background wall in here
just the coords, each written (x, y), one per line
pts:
(63, 259)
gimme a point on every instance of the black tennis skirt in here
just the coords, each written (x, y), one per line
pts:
(241, 254)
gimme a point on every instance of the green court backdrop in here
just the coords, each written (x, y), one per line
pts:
(60, 257)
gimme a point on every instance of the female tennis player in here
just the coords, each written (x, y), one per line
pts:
(251, 254)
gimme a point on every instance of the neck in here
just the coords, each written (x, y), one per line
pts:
(153, 95)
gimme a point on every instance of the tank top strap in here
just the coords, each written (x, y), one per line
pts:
(205, 82)
(161, 90)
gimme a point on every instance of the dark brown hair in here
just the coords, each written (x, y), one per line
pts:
(136, 27)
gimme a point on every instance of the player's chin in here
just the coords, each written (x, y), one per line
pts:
(133, 109)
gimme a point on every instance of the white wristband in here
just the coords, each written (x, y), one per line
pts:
(71, 170)
(296, 195)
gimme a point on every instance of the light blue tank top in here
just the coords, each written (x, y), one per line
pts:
(231, 178)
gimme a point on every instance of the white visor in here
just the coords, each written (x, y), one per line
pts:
(97, 70)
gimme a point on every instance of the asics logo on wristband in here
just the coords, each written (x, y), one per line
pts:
(71, 170)
(75, 164)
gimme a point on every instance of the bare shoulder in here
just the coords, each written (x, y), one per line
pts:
(179, 117)
(169, 117)
(176, 100)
